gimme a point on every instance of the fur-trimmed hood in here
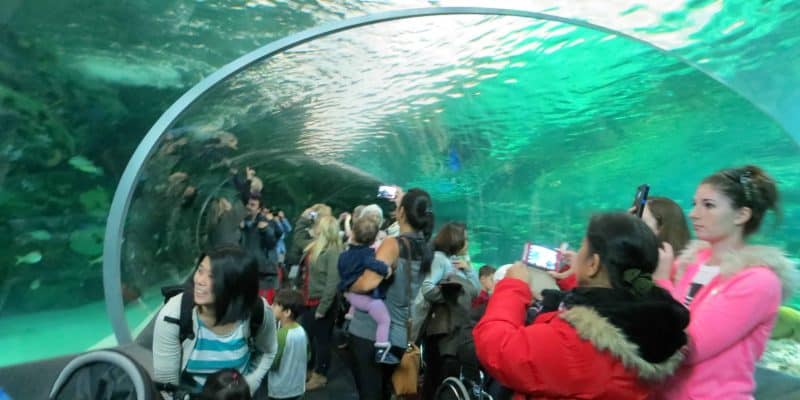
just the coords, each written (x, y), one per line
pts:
(604, 336)
(748, 257)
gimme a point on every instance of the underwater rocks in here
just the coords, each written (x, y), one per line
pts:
(782, 355)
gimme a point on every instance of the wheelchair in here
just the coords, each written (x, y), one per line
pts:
(461, 388)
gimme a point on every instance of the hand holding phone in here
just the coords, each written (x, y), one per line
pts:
(387, 192)
(540, 257)
(640, 199)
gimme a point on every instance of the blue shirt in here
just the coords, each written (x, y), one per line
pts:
(353, 262)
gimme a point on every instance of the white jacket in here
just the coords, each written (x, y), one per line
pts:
(170, 358)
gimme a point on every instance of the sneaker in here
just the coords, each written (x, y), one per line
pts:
(316, 381)
(384, 356)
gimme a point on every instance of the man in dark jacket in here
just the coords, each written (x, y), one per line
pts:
(258, 237)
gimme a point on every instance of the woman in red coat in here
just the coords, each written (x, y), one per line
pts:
(612, 337)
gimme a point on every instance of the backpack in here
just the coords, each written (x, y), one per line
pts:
(184, 320)
(104, 375)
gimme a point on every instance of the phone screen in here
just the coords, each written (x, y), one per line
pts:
(540, 257)
(387, 192)
(640, 199)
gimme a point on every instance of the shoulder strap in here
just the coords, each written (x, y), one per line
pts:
(404, 242)
(185, 321)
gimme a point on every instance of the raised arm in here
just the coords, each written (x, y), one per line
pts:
(523, 358)
(429, 289)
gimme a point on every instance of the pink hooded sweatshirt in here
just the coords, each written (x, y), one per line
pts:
(731, 320)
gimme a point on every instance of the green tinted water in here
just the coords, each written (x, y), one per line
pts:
(522, 128)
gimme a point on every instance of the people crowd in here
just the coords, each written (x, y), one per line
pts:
(639, 311)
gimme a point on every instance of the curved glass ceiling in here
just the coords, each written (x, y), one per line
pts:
(520, 127)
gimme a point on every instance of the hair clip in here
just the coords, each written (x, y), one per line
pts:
(747, 184)
(640, 283)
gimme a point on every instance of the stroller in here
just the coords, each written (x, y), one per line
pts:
(104, 375)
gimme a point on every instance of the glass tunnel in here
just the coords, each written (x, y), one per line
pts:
(522, 123)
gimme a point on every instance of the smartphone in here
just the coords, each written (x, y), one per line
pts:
(387, 192)
(540, 257)
(640, 199)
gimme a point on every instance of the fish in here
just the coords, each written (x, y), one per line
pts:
(83, 164)
(40, 235)
(453, 159)
(30, 258)
(35, 284)
(227, 139)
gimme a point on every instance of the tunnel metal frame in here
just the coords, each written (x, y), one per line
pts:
(112, 244)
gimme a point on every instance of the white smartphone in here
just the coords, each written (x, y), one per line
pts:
(387, 192)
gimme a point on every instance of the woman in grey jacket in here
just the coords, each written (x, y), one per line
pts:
(225, 290)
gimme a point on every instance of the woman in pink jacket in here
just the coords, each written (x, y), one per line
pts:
(732, 289)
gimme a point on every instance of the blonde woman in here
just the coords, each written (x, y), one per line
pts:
(319, 286)
(302, 233)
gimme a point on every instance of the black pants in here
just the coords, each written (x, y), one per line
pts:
(440, 366)
(320, 332)
(437, 367)
(373, 380)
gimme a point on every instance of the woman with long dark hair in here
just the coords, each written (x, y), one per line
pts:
(410, 259)
(224, 290)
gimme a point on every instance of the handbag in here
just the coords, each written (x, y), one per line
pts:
(405, 378)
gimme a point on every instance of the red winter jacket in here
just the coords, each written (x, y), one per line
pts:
(570, 354)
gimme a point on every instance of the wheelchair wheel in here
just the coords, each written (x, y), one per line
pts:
(452, 389)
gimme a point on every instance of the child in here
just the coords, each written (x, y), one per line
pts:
(486, 277)
(287, 377)
(226, 384)
(352, 263)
